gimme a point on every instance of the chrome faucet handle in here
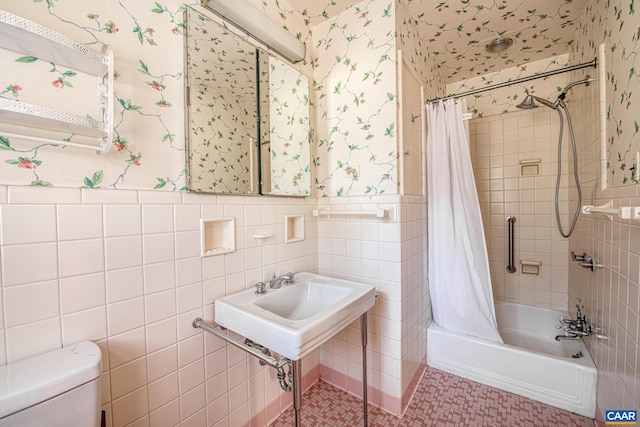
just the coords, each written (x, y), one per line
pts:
(590, 263)
(582, 257)
(261, 288)
(579, 307)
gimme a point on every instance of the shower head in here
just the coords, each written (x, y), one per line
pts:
(529, 103)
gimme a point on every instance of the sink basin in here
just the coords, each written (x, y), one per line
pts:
(298, 318)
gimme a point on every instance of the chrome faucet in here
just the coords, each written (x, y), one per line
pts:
(575, 329)
(276, 282)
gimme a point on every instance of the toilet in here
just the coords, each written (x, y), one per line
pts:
(60, 388)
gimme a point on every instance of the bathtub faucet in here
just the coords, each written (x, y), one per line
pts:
(574, 334)
(575, 329)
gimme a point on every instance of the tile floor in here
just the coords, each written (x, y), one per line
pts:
(442, 399)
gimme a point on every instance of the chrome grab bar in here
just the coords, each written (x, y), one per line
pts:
(511, 266)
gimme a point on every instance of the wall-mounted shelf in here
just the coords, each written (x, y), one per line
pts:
(26, 37)
(378, 213)
(628, 212)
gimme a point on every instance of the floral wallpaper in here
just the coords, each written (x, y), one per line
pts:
(504, 100)
(289, 130)
(417, 52)
(353, 62)
(615, 23)
(223, 113)
(457, 32)
(149, 150)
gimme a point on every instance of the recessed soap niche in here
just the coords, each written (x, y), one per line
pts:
(530, 167)
(217, 236)
(293, 228)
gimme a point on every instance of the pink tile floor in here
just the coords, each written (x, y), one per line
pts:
(442, 399)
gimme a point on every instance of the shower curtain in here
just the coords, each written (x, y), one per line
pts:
(459, 278)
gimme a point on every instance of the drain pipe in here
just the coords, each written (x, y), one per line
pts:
(255, 352)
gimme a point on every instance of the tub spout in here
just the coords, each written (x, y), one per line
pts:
(568, 337)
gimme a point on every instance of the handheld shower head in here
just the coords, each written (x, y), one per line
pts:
(529, 103)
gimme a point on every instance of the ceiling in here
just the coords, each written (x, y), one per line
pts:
(457, 31)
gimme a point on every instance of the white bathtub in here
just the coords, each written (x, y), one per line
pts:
(530, 363)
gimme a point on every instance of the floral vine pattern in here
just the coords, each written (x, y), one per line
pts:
(457, 32)
(222, 115)
(289, 130)
(504, 100)
(615, 23)
(136, 32)
(354, 83)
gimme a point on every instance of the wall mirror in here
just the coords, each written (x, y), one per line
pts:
(247, 115)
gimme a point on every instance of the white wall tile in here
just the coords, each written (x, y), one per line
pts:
(190, 350)
(191, 376)
(128, 377)
(122, 220)
(41, 195)
(162, 362)
(32, 339)
(124, 284)
(125, 315)
(187, 217)
(79, 222)
(130, 407)
(159, 277)
(126, 347)
(160, 306)
(29, 303)
(157, 248)
(157, 219)
(28, 224)
(187, 244)
(29, 263)
(84, 325)
(189, 297)
(161, 334)
(81, 257)
(163, 391)
(82, 292)
(167, 415)
(188, 271)
(123, 252)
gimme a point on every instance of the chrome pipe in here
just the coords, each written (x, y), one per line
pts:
(363, 338)
(511, 267)
(296, 366)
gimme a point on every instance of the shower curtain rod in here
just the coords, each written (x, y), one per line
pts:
(593, 64)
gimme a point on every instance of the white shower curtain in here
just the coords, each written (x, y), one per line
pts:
(459, 278)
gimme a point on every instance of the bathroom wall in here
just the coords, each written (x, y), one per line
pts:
(611, 293)
(498, 145)
(389, 252)
(123, 268)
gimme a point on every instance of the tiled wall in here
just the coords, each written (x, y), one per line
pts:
(390, 253)
(611, 294)
(366, 250)
(498, 144)
(123, 268)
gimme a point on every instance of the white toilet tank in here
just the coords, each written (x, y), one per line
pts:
(56, 389)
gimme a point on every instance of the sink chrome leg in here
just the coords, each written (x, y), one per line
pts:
(296, 368)
(363, 338)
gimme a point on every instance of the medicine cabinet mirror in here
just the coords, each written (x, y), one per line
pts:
(247, 119)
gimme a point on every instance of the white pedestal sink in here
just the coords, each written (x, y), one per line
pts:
(297, 318)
